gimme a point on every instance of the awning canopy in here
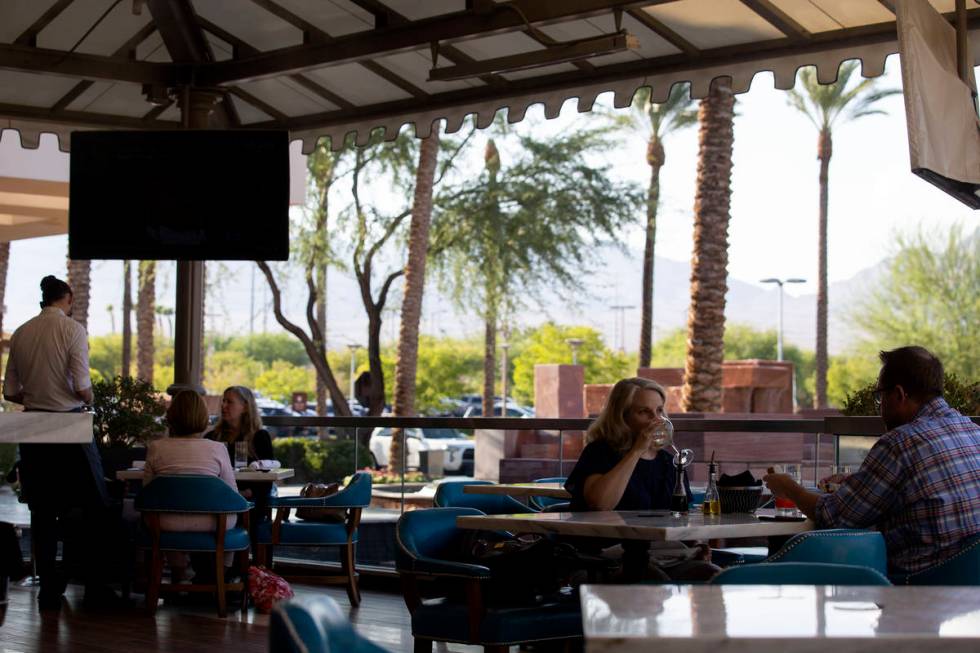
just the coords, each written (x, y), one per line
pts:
(331, 68)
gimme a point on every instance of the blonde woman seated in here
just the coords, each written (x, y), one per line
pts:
(187, 452)
(622, 469)
(241, 422)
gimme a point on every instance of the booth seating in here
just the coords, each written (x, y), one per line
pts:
(799, 573)
(450, 494)
(962, 569)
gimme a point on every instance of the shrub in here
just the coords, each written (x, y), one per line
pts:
(323, 461)
(964, 397)
(8, 455)
(127, 412)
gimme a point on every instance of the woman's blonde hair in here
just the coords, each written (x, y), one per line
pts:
(187, 414)
(251, 420)
(610, 426)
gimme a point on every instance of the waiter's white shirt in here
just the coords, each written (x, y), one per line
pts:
(48, 362)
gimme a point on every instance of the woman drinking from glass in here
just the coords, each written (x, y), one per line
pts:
(624, 467)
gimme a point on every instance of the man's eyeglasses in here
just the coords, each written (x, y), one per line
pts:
(876, 396)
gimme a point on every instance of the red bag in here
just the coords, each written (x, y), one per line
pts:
(267, 588)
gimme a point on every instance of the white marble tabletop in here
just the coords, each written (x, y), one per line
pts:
(44, 428)
(245, 475)
(657, 525)
(554, 490)
(774, 619)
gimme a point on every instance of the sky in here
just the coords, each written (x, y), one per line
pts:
(773, 229)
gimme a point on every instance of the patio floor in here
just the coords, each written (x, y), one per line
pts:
(382, 618)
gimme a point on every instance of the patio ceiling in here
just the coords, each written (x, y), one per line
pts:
(332, 67)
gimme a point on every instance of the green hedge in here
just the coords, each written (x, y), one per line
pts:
(963, 396)
(319, 461)
(8, 455)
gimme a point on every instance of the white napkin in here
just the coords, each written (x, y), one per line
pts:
(260, 465)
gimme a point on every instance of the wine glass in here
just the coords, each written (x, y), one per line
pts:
(662, 433)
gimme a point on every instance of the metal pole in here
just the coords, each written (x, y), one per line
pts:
(251, 306)
(779, 335)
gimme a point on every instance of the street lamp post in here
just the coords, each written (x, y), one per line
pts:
(622, 308)
(779, 328)
(574, 343)
(353, 362)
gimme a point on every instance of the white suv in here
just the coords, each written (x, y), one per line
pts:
(459, 449)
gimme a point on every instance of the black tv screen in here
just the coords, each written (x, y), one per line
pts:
(182, 195)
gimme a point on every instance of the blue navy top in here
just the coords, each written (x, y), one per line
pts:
(650, 486)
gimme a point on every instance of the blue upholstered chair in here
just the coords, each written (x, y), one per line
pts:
(428, 543)
(314, 625)
(341, 533)
(194, 495)
(839, 546)
(842, 546)
(962, 569)
(542, 503)
(451, 495)
(799, 573)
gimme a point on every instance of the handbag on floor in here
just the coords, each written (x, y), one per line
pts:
(266, 588)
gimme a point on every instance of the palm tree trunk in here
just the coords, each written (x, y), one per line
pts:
(127, 319)
(4, 262)
(824, 152)
(408, 334)
(145, 312)
(655, 156)
(79, 278)
(489, 360)
(709, 265)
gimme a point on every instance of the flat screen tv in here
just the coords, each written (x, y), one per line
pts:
(181, 195)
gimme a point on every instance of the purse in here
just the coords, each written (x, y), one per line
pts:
(267, 588)
(318, 490)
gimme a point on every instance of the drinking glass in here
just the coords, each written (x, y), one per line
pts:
(662, 433)
(786, 507)
(241, 455)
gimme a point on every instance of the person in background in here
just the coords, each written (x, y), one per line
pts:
(622, 469)
(47, 371)
(920, 483)
(240, 422)
(187, 452)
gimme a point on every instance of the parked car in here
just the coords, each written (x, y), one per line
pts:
(459, 449)
(513, 410)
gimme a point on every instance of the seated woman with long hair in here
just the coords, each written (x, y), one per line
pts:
(187, 452)
(622, 469)
(240, 422)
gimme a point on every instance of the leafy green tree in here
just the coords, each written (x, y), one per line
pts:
(929, 296)
(105, 355)
(227, 368)
(655, 122)
(547, 345)
(282, 378)
(849, 374)
(268, 348)
(530, 221)
(827, 106)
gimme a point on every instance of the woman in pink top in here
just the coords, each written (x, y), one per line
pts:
(187, 452)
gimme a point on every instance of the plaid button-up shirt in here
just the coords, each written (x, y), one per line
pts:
(919, 486)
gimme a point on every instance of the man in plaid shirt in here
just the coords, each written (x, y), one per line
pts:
(920, 484)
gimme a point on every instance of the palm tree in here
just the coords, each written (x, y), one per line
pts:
(408, 334)
(709, 264)
(655, 122)
(4, 262)
(145, 310)
(827, 105)
(79, 278)
(127, 318)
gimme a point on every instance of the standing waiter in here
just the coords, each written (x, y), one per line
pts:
(47, 371)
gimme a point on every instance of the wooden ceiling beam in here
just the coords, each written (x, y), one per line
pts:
(86, 66)
(127, 49)
(82, 118)
(444, 29)
(664, 32)
(568, 81)
(29, 36)
(778, 19)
